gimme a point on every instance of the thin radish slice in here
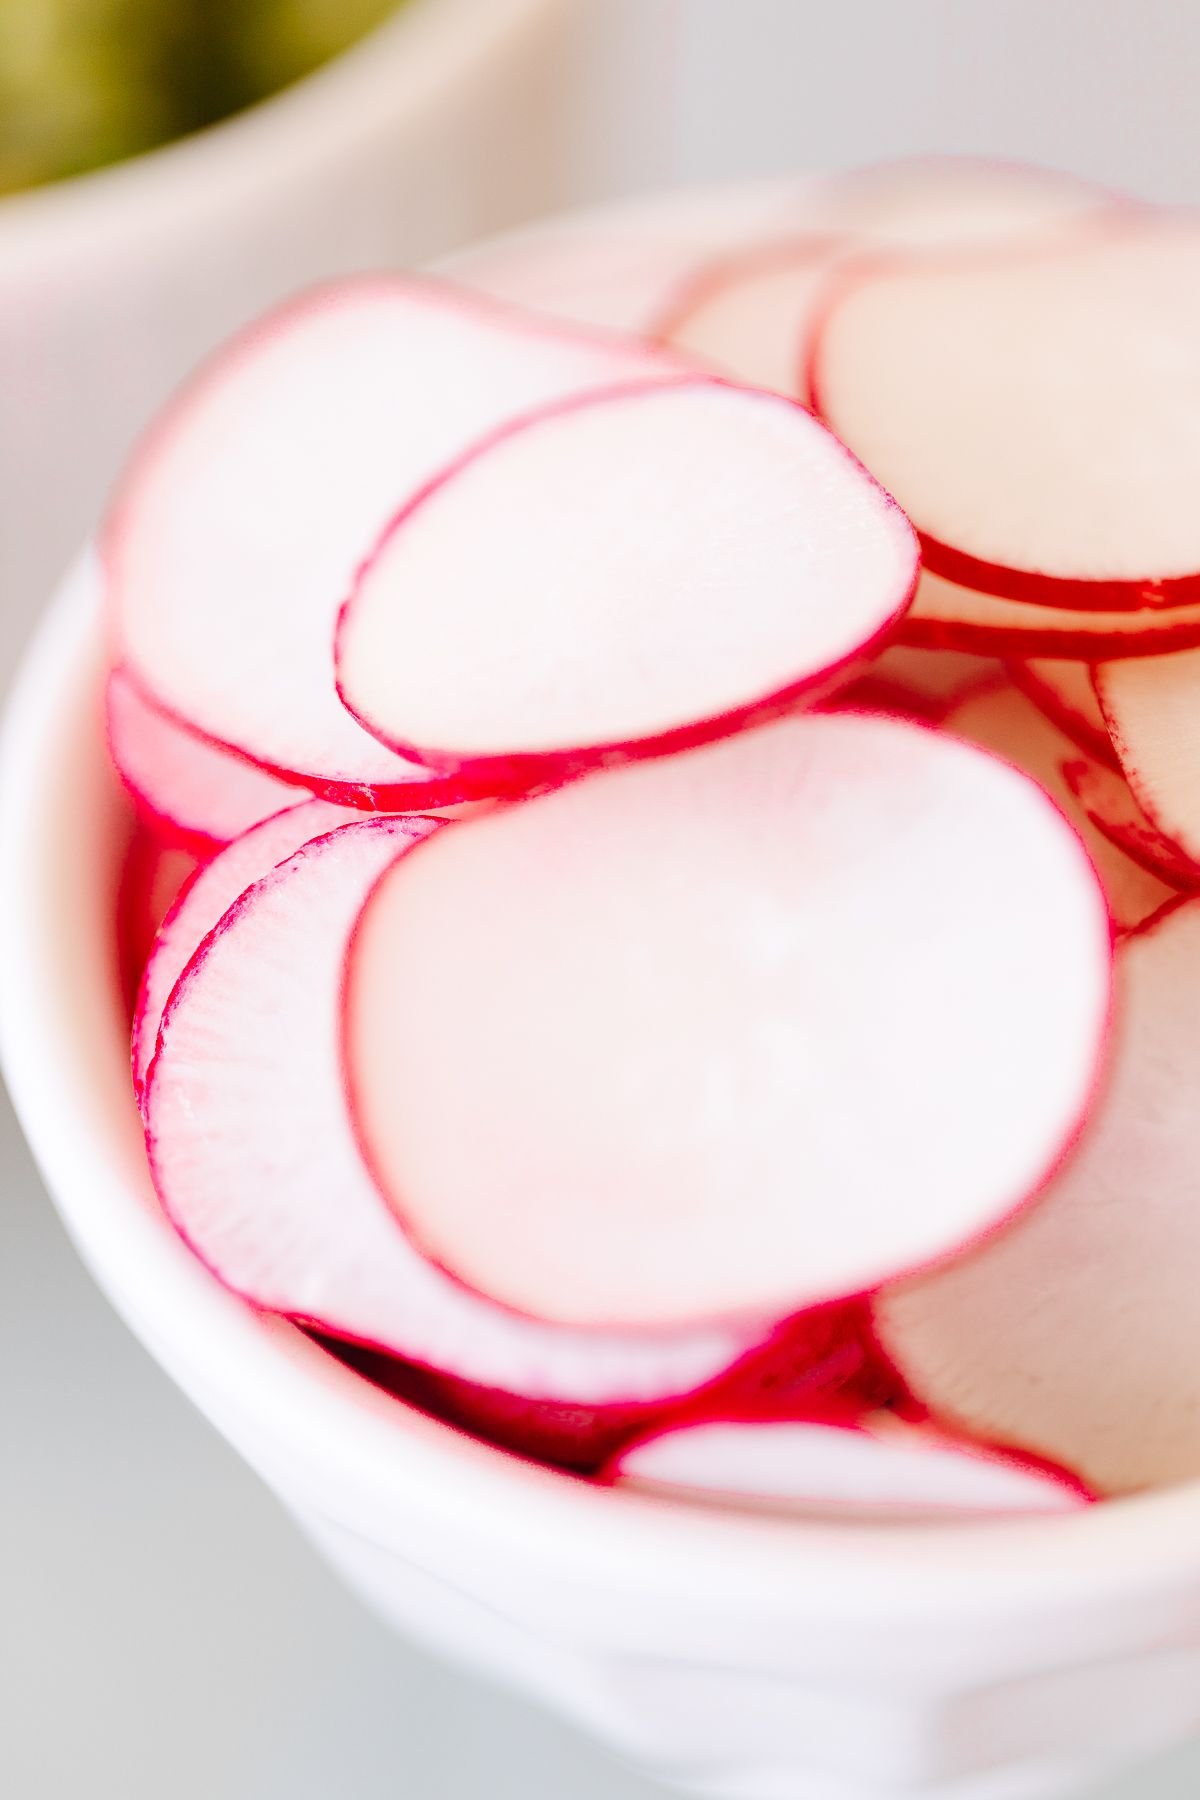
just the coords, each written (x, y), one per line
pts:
(947, 616)
(975, 389)
(942, 676)
(206, 899)
(241, 522)
(1152, 712)
(254, 1156)
(872, 1463)
(622, 575)
(1112, 806)
(188, 789)
(1076, 1332)
(935, 203)
(1065, 692)
(1003, 721)
(736, 1031)
(152, 875)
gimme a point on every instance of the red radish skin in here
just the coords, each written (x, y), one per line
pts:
(255, 1162)
(636, 572)
(976, 387)
(1152, 715)
(869, 1464)
(659, 965)
(1064, 691)
(242, 519)
(205, 900)
(945, 616)
(152, 875)
(1113, 809)
(1075, 1332)
(188, 790)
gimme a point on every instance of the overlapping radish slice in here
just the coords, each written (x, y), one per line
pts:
(1065, 692)
(238, 530)
(1112, 806)
(619, 576)
(206, 899)
(254, 1155)
(1037, 416)
(736, 1031)
(1076, 1331)
(946, 615)
(863, 1463)
(935, 203)
(187, 788)
(1153, 714)
(152, 875)
(1003, 721)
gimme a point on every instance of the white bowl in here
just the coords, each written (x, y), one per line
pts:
(448, 120)
(739, 1656)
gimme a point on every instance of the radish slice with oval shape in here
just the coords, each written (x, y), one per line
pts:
(1065, 692)
(1076, 1331)
(239, 526)
(945, 615)
(737, 1031)
(1153, 713)
(1112, 806)
(872, 1463)
(620, 576)
(975, 389)
(187, 788)
(937, 203)
(255, 1161)
(205, 900)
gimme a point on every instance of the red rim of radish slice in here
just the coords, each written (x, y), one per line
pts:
(255, 1162)
(1152, 714)
(945, 616)
(1062, 688)
(1097, 1279)
(613, 1044)
(578, 585)
(1020, 288)
(240, 522)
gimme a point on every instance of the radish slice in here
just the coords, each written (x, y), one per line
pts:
(1076, 1332)
(934, 203)
(945, 615)
(242, 520)
(254, 1156)
(1065, 693)
(1003, 721)
(625, 574)
(873, 1463)
(736, 1031)
(1111, 805)
(1152, 713)
(209, 895)
(976, 389)
(188, 789)
(152, 874)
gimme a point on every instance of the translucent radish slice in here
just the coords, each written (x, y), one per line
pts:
(1065, 692)
(933, 203)
(622, 575)
(187, 788)
(1153, 713)
(945, 615)
(204, 902)
(1003, 721)
(736, 1031)
(255, 1161)
(976, 389)
(240, 525)
(873, 1463)
(1112, 806)
(1076, 1331)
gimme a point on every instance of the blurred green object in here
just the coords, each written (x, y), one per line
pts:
(89, 82)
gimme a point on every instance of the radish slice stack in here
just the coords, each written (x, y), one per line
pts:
(732, 1099)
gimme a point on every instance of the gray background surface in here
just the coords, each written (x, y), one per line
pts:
(164, 1634)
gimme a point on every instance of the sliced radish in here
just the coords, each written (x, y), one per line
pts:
(152, 874)
(934, 203)
(945, 615)
(1065, 692)
(255, 1160)
(625, 574)
(1076, 1331)
(872, 1462)
(187, 788)
(237, 532)
(1003, 721)
(736, 1031)
(1112, 806)
(1153, 713)
(1037, 416)
(210, 894)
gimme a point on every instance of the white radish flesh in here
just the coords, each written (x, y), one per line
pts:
(735, 1032)
(1153, 712)
(938, 203)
